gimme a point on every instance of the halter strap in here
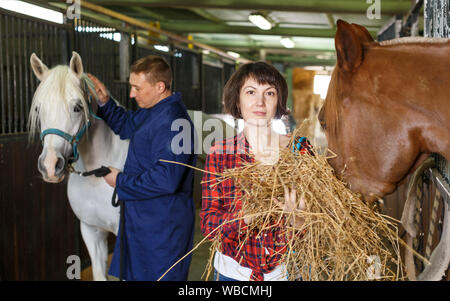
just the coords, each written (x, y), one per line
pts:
(73, 140)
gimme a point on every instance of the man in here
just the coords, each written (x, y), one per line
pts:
(157, 196)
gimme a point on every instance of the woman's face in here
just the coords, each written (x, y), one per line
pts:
(257, 102)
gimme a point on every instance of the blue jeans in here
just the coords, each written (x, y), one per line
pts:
(222, 277)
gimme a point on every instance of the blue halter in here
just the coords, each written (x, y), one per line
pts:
(73, 140)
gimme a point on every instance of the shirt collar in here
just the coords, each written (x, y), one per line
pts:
(243, 147)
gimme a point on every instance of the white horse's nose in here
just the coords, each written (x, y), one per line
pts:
(51, 166)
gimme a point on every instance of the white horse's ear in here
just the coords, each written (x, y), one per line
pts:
(76, 65)
(39, 69)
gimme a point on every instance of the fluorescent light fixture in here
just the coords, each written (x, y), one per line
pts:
(32, 10)
(287, 42)
(234, 54)
(260, 21)
(161, 48)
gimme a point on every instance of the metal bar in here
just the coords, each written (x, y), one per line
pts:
(411, 19)
(198, 27)
(14, 33)
(33, 43)
(322, 6)
(8, 75)
(26, 53)
(2, 76)
(47, 45)
(20, 49)
(141, 24)
(124, 56)
(440, 184)
(76, 39)
(55, 45)
(40, 36)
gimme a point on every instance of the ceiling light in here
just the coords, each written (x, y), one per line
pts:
(33, 10)
(161, 48)
(233, 54)
(260, 21)
(287, 42)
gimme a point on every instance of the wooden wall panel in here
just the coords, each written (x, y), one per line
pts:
(38, 229)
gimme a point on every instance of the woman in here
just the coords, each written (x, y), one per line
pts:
(257, 93)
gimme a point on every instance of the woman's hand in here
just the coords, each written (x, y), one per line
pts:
(248, 219)
(290, 206)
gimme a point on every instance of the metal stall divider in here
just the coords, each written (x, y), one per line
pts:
(186, 67)
(21, 36)
(212, 85)
(34, 248)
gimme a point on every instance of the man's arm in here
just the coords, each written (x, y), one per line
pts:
(158, 178)
(162, 179)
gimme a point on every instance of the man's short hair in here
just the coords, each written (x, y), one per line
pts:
(155, 68)
(263, 73)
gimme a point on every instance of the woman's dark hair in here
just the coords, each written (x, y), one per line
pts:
(263, 73)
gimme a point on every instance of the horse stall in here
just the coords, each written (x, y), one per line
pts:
(38, 229)
(36, 219)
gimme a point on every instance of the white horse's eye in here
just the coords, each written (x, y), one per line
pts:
(77, 108)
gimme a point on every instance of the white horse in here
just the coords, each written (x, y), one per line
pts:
(61, 105)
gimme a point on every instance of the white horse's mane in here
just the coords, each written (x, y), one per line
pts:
(410, 40)
(58, 88)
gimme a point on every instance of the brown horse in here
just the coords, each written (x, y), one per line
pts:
(387, 108)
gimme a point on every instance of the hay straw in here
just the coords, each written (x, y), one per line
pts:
(342, 232)
(342, 238)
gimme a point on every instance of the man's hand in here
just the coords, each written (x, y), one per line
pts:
(100, 89)
(112, 176)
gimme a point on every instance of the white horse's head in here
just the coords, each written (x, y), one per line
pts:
(59, 106)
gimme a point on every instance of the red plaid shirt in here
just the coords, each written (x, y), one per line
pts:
(221, 203)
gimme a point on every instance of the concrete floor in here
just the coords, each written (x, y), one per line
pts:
(200, 256)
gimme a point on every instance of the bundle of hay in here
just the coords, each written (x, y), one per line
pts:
(342, 238)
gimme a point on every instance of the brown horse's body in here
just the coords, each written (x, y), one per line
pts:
(387, 108)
